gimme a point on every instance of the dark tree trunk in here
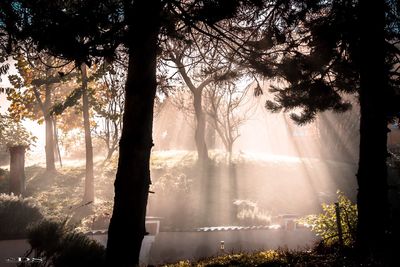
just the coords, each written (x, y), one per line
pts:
(200, 131)
(127, 225)
(89, 179)
(17, 170)
(372, 172)
(48, 120)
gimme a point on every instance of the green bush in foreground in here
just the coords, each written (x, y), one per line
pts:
(16, 214)
(325, 225)
(61, 246)
(279, 258)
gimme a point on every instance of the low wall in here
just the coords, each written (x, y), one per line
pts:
(174, 246)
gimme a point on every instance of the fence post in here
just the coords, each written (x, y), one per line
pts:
(339, 224)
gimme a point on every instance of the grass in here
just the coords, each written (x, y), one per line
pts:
(60, 194)
(284, 258)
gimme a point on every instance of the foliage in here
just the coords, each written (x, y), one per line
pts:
(36, 85)
(60, 195)
(13, 133)
(177, 183)
(281, 258)
(59, 246)
(325, 226)
(16, 214)
(4, 67)
(249, 213)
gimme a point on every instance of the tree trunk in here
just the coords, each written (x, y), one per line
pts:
(48, 120)
(17, 170)
(233, 192)
(58, 152)
(229, 149)
(110, 152)
(199, 136)
(89, 179)
(372, 173)
(210, 137)
(127, 225)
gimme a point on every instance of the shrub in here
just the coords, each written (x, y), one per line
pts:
(325, 226)
(4, 181)
(270, 258)
(248, 213)
(61, 246)
(16, 214)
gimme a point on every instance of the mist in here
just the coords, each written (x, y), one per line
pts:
(277, 172)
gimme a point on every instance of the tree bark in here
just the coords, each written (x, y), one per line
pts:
(89, 179)
(48, 120)
(127, 225)
(17, 170)
(56, 143)
(210, 136)
(372, 172)
(200, 130)
(199, 136)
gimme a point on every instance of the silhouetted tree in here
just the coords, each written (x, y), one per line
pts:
(330, 48)
(80, 30)
(200, 66)
(80, 96)
(178, 58)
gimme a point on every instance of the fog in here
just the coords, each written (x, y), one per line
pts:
(276, 169)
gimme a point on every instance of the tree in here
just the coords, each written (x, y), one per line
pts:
(108, 103)
(16, 139)
(188, 67)
(204, 69)
(90, 29)
(32, 96)
(82, 92)
(224, 102)
(326, 53)
(89, 176)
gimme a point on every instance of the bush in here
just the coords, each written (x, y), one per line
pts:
(16, 214)
(271, 258)
(4, 181)
(60, 246)
(248, 213)
(325, 226)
